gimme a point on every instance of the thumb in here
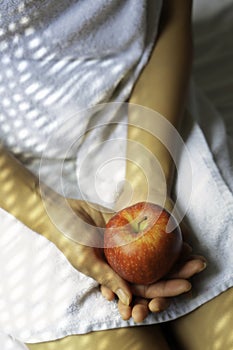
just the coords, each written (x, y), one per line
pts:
(110, 279)
(91, 262)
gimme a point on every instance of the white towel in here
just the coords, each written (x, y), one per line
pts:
(42, 296)
(7, 342)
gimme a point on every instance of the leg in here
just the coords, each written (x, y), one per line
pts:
(136, 338)
(209, 327)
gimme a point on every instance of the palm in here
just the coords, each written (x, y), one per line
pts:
(147, 298)
(156, 297)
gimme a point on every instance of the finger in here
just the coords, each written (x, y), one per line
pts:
(164, 288)
(197, 257)
(140, 310)
(91, 264)
(125, 311)
(107, 293)
(158, 304)
(110, 279)
(189, 269)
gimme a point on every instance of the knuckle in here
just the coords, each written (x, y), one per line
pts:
(107, 279)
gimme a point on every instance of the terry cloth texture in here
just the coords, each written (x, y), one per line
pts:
(60, 58)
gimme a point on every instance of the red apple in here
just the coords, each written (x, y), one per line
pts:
(142, 242)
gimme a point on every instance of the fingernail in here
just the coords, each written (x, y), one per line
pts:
(204, 265)
(188, 287)
(123, 297)
(157, 309)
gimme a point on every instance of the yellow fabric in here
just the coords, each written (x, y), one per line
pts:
(207, 328)
(136, 338)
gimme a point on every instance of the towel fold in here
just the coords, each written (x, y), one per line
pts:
(42, 297)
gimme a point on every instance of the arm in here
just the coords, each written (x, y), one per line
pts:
(162, 87)
(20, 195)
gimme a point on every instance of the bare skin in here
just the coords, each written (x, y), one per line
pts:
(20, 195)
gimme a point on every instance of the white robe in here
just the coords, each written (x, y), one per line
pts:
(59, 59)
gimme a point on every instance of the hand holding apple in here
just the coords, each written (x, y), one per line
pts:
(142, 243)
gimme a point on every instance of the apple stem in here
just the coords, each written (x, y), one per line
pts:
(139, 223)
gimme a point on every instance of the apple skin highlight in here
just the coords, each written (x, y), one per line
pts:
(138, 244)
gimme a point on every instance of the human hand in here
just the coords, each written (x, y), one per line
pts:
(139, 300)
(135, 301)
(157, 296)
(80, 238)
